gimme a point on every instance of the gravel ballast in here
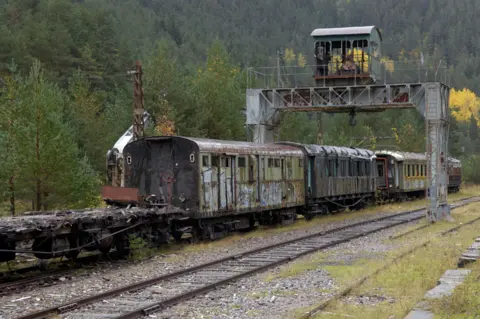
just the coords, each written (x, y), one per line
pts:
(246, 298)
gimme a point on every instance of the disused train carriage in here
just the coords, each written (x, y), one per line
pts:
(337, 177)
(401, 174)
(223, 185)
(454, 174)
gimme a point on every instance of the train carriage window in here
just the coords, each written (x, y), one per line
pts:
(380, 169)
(277, 162)
(241, 162)
(408, 170)
(262, 165)
(300, 162)
(359, 168)
(417, 170)
(215, 160)
(225, 162)
(334, 168)
(205, 161)
(270, 162)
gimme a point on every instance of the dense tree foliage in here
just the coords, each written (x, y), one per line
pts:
(66, 96)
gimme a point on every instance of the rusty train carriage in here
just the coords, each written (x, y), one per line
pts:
(454, 174)
(337, 177)
(404, 174)
(219, 184)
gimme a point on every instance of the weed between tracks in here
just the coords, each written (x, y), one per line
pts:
(393, 292)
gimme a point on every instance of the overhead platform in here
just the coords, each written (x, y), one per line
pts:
(350, 75)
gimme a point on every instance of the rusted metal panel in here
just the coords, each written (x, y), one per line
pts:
(120, 194)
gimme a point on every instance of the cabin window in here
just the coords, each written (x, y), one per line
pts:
(300, 162)
(408, 170)
(241, 162)
(215, 161)
(192, 158)
(205, 161)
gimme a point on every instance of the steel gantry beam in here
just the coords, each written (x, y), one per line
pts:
(266, 106)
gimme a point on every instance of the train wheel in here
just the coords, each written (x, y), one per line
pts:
(122, 245)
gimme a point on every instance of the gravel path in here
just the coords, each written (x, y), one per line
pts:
(237, 299)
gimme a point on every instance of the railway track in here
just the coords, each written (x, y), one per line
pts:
(153, 295)
(30, 277)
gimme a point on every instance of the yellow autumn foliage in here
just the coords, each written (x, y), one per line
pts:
(357, 58)
(463, 104)
(165, 127)
(289, 55)
(301, 60)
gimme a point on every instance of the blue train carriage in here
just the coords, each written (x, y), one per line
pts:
(221, 185)
(347, 56)
(337, 178)
(401, 175)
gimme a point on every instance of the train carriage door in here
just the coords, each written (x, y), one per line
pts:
(289, 177)
(211, 172)
(310, 172)
(381, 172)
(253, 183)
(226, 187)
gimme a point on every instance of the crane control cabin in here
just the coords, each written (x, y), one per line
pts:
(347, 56)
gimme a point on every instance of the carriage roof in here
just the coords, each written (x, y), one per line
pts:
(354, 33)
(403, 156)
(236, 147)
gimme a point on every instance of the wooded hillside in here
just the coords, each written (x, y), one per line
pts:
(66, 98)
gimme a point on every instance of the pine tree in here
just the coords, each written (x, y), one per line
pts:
(51, 171)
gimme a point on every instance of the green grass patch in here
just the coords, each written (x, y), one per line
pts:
(407, 279)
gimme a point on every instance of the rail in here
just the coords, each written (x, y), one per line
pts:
(191, 282)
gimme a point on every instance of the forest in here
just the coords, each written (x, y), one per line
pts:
(66, 97)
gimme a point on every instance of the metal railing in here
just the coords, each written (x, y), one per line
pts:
(379, 71)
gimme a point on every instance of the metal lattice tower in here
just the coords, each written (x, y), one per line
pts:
(266, 105)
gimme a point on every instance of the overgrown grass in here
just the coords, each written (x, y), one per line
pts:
(407, 280)
(465, 300)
